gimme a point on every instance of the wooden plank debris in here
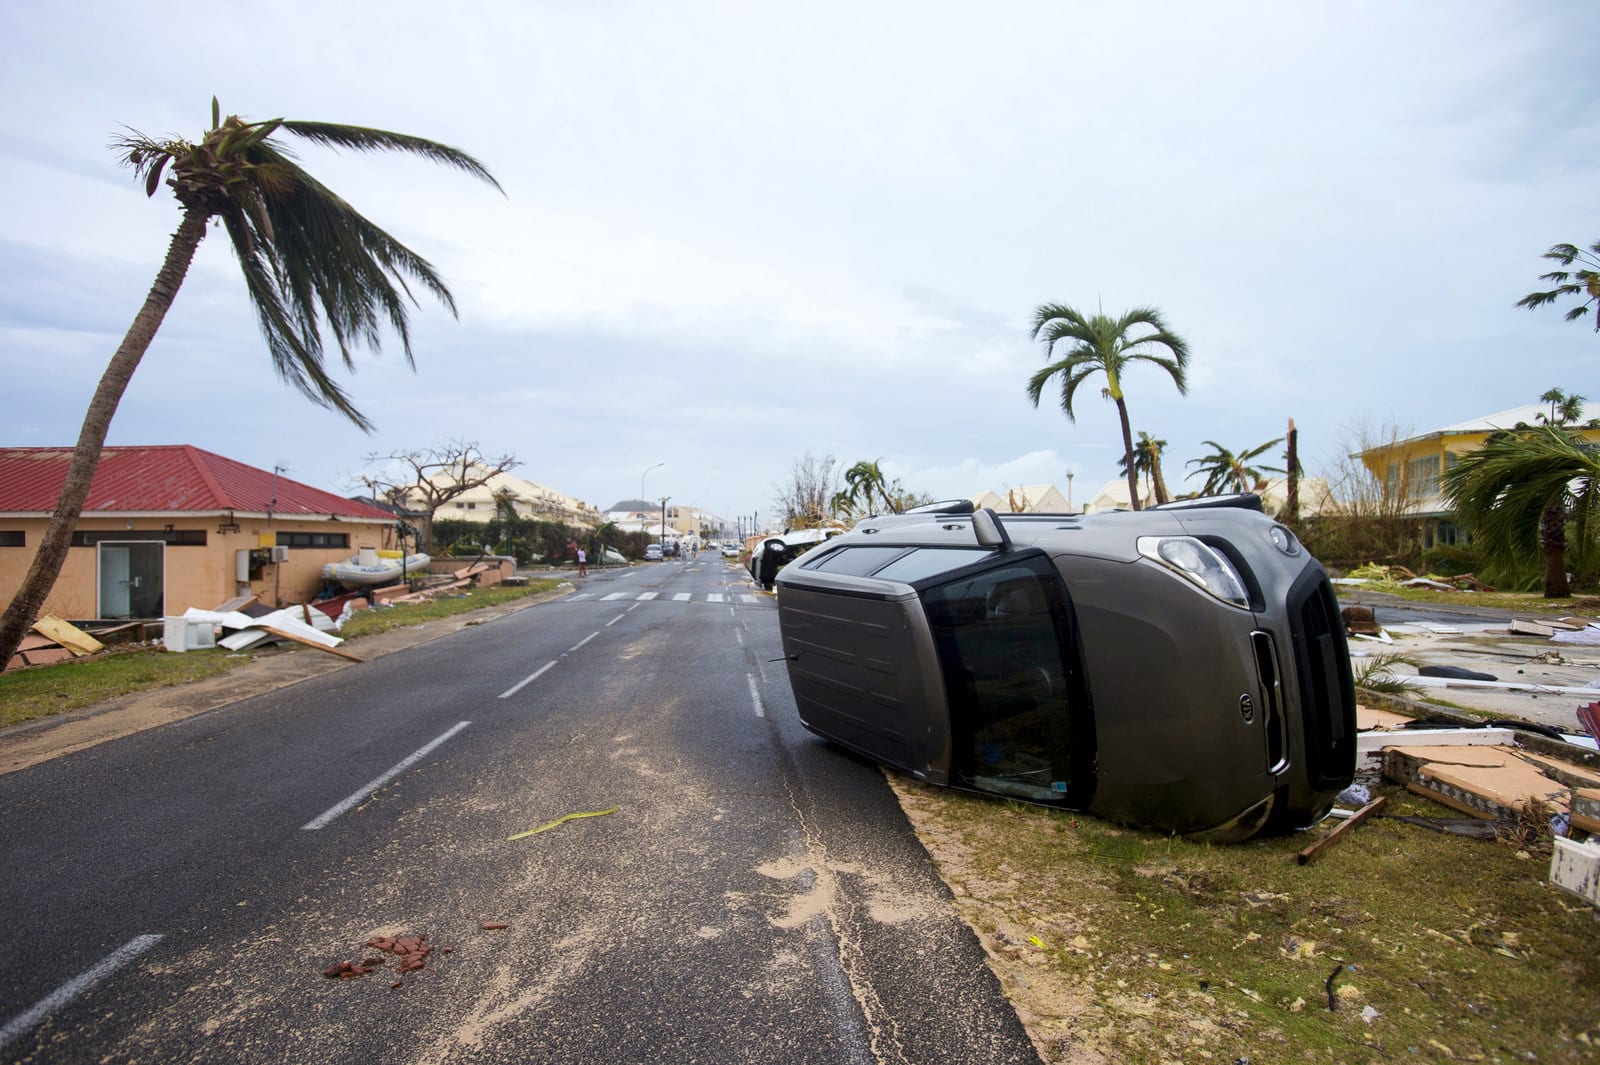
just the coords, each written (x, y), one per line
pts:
(1313, 852)
(69, 636)
(298, 638)
(1575, 867)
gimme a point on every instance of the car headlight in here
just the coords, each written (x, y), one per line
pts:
(1283, 540)
(1197, 562)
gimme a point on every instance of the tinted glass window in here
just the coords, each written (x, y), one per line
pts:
(1018, 718)
(929, 561)
(856, 561)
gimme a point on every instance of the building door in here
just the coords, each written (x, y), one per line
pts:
(132, 579)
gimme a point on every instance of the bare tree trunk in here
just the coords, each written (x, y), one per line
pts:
(1291, 505)
(1159, 482)
(1553, 538)
(52, 553)
(1127, 452)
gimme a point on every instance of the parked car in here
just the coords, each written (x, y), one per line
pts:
(1182, 668)
(652, 553)
(773, 553)
(730, 549)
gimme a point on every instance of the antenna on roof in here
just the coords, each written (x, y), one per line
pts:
(272, 504)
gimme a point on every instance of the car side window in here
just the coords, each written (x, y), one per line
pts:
(1017, 715)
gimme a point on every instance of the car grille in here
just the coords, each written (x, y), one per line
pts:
(1327, 693)
(1272, 690)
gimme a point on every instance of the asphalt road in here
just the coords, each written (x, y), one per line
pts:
(756, 895)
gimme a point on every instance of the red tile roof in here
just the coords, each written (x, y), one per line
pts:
(167, 479)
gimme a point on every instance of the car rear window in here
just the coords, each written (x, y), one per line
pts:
(856, 561)
(928, 561)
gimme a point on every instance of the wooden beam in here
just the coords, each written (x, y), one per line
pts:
(287, 635)
(1313, 852)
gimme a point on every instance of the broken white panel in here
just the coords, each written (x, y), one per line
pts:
(1370, 745)
(1575, 867)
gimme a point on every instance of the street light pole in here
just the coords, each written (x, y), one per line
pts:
(664, 524)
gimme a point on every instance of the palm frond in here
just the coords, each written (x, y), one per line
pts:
(363, 139)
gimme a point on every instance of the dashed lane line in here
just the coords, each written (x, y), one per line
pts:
(328, 816)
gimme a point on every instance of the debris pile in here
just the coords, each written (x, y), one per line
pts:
(410, 954)
(53, 640)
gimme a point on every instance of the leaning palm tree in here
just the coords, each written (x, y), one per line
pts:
(1102, 344)
(311, 264)
(1227, 472)
(1147, 463)
(1514, 493)
(1583, 282)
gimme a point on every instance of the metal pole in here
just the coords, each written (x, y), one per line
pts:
(664, 525)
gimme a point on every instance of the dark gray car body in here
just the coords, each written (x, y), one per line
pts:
(1044, 657)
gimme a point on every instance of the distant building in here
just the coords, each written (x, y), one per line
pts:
(1025, 499)
(528, 499)
(1410, 469)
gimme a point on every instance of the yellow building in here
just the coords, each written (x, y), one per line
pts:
(1410, 470)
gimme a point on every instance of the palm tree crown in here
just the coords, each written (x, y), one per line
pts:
(1102, 344)
(1584, 281)
(1515, 491)
(1226, 472)
(301, 247)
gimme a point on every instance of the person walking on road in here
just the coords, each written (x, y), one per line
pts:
(583, 562)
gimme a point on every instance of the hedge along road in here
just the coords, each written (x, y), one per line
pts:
(754, 895)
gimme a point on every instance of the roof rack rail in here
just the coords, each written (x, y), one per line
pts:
(1241, 500)
(945, 506)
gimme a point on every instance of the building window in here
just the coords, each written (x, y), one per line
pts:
(13, 538)
(170, 537)
(308, 539)
(1422, 476)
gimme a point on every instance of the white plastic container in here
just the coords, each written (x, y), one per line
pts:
(181, 634)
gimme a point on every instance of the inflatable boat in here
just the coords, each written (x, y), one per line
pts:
(369, 567)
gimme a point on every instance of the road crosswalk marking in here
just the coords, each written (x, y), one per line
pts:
(676, 597)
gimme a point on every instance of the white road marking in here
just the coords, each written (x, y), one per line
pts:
(715, 597)
(616, 619)
(327, 817)
(755, 696)
(645, 597)
(681, 597)
(581, 642)
(613, 597)
(737, 635)
(749, 599)
(584, 595)
(525, 681)
(33, 1015)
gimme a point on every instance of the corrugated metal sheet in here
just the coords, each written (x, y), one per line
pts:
(168, 479)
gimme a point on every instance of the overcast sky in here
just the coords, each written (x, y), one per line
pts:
(736, 233)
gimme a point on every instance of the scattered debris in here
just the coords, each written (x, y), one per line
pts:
(1575, 868)
(1501, 783)
(1313, 852)
(1359, 621)
(1471, 827)
(1454, 673)
(563, 819)
(494, 926)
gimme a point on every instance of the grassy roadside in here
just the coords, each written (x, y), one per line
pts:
(27, 694)
(1125, 946)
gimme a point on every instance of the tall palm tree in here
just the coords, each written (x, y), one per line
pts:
(1147, 463)
(1102, 344)
(1515, 491)
(1564, 409)
(1584, 281)
(1226, 472)
(311, 263)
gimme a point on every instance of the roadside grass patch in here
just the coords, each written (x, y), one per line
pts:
(382, 619)
(1120, 945)
(26, 694)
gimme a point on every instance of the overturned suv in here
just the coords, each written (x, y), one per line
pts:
(1183, 668)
